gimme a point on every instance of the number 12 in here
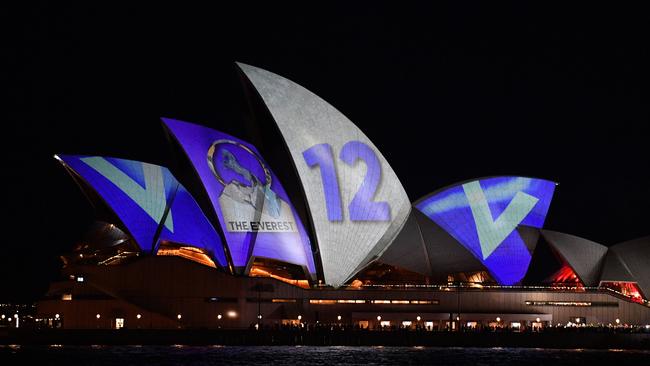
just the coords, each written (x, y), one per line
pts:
(362, 207)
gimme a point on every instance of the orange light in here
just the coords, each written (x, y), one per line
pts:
(322, 302)
(356, 284)
(191, 253)
(259, 272)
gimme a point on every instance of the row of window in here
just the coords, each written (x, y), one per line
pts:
(392, 302)
(573, 303)
(338, 301)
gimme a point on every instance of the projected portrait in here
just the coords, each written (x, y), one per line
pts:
(248, 202)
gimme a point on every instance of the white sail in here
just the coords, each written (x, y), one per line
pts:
(356, 201)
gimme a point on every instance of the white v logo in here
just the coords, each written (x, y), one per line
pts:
(151, 199)
(492, 233)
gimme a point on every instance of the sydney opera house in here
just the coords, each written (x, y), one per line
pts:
(308, 223)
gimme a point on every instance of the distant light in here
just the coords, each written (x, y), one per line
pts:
(259, 316)
(81, 255)
(378, 317)
(457, 318)
(618, 321)
(56, 316)
(299, 317)
(98, 316)
(577, 320)
(418, 318)
(498, 319)
(138, 316)
(80, 279)
(647, 326)
(231, 314)
(338, 317)
(179, 316)
(219, 316)
(537, 320)
(3, 316)
(16, 316)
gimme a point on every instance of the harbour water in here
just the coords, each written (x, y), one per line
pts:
(302, 355)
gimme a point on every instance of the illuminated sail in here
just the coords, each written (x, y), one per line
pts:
(149, 202)
(356, 201)
(483, 216)
(254, 211)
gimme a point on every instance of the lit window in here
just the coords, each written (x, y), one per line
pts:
(283, 300)
(66, 297)
(322, 302)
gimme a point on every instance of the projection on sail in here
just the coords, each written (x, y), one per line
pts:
(253, 208)
(356, 201)
(149, 202)
(483, 216)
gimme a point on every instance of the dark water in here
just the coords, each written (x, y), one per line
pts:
(217, 355)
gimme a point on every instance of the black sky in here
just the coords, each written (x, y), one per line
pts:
(447, 92)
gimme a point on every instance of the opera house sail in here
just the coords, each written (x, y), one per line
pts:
(355, 199)
(255, 214)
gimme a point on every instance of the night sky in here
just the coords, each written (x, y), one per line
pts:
(447, 93)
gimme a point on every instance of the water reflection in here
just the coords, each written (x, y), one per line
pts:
(103, 355)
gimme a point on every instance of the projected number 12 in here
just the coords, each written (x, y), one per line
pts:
(362, 207)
